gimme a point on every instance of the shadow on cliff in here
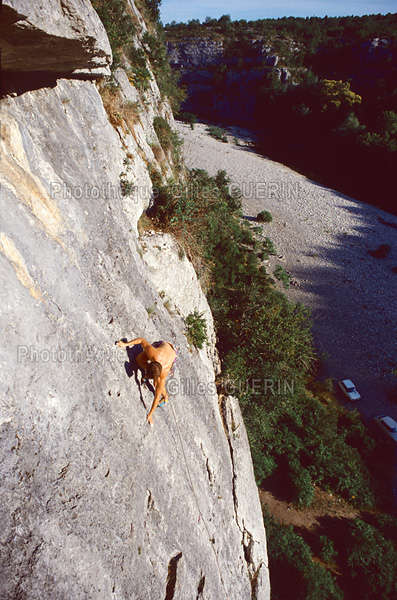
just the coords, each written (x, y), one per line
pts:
(17, 83)
(132, 370)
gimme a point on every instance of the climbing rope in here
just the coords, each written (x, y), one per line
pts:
(201, 517)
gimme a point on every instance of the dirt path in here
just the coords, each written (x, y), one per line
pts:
(324, 504)
(322, 239)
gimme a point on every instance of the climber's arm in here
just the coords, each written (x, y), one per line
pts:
(160, 391)
(144, 343)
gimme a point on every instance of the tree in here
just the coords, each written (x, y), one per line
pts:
(154, 8)
(337, 96)
(372, 562)
(388, 122)
(225, 24)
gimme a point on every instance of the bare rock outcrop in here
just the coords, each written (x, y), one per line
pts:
(194, 53)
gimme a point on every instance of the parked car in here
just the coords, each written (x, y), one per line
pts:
(387, 425)
(349, 389)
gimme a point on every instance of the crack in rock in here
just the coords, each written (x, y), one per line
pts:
(200, 588)
(254, 563)
(172, 575)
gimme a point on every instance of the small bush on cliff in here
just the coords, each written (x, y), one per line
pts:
(196, 329)
(164, 133)
(169, 140)
(167, 78)
(139, 74)
(120, 113)
(153, 7)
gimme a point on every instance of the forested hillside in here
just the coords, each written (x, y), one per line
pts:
(322, 92)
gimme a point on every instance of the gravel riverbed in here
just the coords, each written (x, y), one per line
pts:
(322, 240)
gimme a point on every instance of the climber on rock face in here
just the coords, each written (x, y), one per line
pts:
(157, 360)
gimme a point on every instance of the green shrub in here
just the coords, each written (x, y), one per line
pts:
(362, 553)
(372, 562)
(217, 133)
(139, 67)
(303, 487)
(264, 217)
(164, 132)
(293, 574)
(189, 118)
(118, 24)
(327, 551)
(153, 7)
(127, 187)
(268, 246)
(282, 275)
(196, 329)
(169, 140)
(167, 78)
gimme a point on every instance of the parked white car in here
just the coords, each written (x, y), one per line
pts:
(387, 425)
(349, 389)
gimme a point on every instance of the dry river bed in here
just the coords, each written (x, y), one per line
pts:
(322, 240)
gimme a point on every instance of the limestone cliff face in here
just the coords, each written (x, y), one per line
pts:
(221, 85)
(194, 53)
(94, 503)
(224, 82)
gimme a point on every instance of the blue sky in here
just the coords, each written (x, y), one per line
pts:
(182, 10)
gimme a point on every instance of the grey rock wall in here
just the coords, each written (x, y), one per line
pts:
(55, 35)
(193, 53)
(378, 51)
(94, 503)
(246, 503)
(181, 291)
(229, 95)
